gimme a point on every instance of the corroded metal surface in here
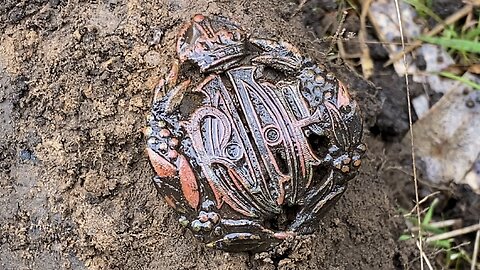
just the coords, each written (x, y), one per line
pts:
(258, 150)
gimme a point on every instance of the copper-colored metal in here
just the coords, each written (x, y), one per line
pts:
(249, 157)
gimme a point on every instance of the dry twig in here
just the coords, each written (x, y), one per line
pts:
(365, 60)
(300, 6)
(410, 123)
(440, 224)
(338, 31)
(453, 233)
(437, 29)
(423, 257)
(476, 247)
(415, 208)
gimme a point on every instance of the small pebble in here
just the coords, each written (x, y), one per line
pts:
(26, 155)
(156, 37)
(470, 103)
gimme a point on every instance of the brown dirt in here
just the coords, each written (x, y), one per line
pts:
(76, 81)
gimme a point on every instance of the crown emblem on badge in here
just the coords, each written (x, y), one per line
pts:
(211, 43)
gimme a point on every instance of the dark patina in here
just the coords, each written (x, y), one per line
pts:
(260, 148)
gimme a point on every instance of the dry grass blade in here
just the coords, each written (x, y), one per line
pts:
(339, 30)
(365, 60)
(410, 121)
(300, 6)
(423, 256)
(457, 247)
(440, 224)
(437, 29)
(415, 208)
(453, 233)
(476, 247)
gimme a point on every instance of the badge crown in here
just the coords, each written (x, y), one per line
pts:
(211, 42)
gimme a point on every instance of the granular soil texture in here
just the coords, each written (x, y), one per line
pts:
(76, 190)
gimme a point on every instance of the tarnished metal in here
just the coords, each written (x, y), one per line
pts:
(261, 148)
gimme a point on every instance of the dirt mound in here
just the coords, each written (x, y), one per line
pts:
(75, 185)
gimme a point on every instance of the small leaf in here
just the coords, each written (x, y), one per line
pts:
(404, 237)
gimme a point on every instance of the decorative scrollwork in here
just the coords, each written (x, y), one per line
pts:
(249, 157)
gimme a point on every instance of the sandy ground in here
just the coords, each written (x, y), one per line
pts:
(76, 82)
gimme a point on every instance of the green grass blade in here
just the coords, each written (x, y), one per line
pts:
(431, 229)
(472, 34)
(457, 44)
(423, 9)
(428, 216)
(466, 81)
(446, 244)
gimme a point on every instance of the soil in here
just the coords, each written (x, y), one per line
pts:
(76, 82)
